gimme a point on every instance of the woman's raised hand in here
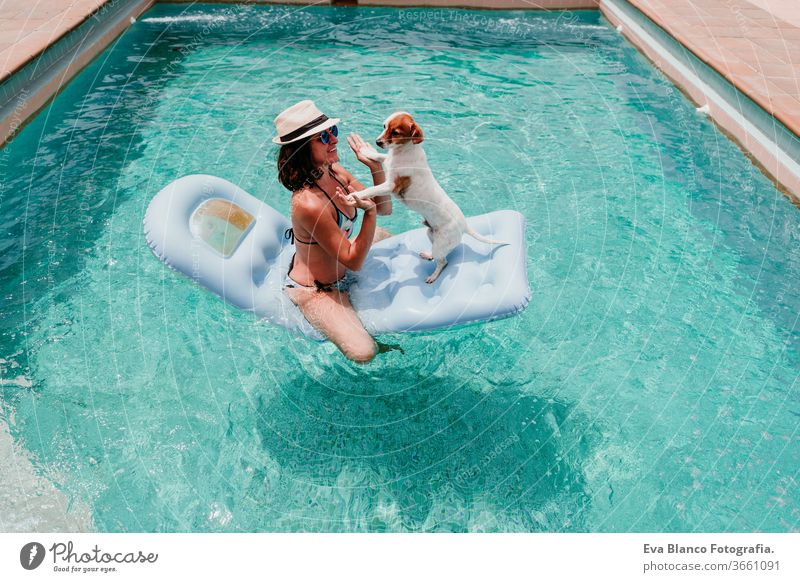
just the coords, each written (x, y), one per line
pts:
(349, 199)
(362, 150)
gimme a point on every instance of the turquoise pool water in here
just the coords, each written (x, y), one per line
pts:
(651, 385)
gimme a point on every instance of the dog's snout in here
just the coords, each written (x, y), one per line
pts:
(379, 142)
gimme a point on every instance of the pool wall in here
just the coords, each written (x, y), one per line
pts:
(32, 85)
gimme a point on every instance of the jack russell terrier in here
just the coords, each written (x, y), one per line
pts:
(409, 177)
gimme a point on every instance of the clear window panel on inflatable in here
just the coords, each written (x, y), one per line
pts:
(221, 224)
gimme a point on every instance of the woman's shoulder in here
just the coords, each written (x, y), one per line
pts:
(305, 200)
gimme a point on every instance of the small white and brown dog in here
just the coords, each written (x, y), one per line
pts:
(410, 179)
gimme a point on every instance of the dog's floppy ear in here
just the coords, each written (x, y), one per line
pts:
(416, 133)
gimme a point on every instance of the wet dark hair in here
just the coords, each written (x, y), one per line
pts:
(295, 168)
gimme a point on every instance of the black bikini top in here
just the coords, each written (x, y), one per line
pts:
(345, 222)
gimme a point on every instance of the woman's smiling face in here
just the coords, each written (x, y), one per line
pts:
(324, 154)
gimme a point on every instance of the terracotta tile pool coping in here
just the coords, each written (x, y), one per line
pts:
(754, 49)
(29, 27)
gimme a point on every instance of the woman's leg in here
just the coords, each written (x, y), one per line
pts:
(332, 314)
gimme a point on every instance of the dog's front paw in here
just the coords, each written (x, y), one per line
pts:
(427, 256)
(430, 279)
(370, 154)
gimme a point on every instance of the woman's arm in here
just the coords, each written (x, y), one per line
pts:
(315, 217)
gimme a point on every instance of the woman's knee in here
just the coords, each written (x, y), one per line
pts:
(361, 351)
(333, 315)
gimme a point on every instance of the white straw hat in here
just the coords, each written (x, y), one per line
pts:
(300, 120)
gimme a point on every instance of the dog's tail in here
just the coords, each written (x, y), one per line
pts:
(483, 239)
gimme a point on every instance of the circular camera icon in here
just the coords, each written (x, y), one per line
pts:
(31, 555)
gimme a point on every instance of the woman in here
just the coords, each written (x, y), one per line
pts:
(323, 215)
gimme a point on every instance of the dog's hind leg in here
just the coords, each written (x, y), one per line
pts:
(425, 254)
(443, 243)
(440, 264)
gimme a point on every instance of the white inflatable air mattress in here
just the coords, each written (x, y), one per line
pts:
(230, 242)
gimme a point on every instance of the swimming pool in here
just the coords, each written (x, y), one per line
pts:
(651, 385)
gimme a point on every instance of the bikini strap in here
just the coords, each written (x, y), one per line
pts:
(355, 215)
(332, 175)
(288, 234)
